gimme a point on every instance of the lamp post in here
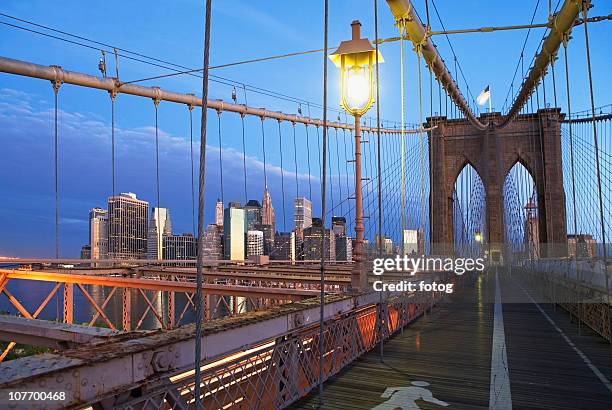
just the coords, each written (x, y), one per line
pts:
(356, 58)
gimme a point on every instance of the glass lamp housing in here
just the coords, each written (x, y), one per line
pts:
(356, 59)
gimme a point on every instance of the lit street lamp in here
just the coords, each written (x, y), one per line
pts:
(478, 237)
(356, 59)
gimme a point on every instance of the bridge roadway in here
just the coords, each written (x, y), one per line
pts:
(548, 364)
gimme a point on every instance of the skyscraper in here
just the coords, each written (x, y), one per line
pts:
(219, 213)
(234, 230)
(268, 237)
(302, 214)
(412, 242)
(159, 227)
(267, 210)
(127, 227)
(312, 241)
(253, 214)
(284, 247)
(86, 252)
(212, 243)
(255, 243)
(339, 225)
(344, 248)
(180, 247)
(98, 233)
(387, 244)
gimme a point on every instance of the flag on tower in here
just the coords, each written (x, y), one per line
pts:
(484, 96)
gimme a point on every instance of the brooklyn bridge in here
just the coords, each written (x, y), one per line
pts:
(176, 238)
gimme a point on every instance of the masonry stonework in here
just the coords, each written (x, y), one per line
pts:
(534, 140)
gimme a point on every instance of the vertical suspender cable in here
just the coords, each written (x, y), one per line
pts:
(297, 186)
(346, 174)
(193, 218)
(421, 148)
(380, 235)
(319, 147)
(113, 95)
(56, 86)
(263, 144)
(244, 167)
(323, 187)
(331, 179)
(552, 229)
(585, 6)
(571, 138)
(220, 154)
(280, 146)
(201, 184)
(308, 159)
(554, 81)
(156, 103)
(338, 166)
(440, 97)
(429, 202)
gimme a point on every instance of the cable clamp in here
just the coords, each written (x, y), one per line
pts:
(190, 106)
(157, 98)
(59, 77)
(220, 109)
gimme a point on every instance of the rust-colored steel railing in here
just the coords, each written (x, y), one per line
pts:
(584, 302)
(130, 303)
(280, 371)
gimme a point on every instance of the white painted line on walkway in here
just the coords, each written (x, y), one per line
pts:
(499, 391)
(584, 358)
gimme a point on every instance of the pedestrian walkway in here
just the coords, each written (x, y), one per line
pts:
(447, 359)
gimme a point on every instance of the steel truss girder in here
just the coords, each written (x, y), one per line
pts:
(99, 372)
(160, 285)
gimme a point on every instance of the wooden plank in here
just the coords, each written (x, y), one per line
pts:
(450, 348)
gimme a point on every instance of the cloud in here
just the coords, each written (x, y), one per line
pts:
(245, 12)
(30, 125)
(27, 145)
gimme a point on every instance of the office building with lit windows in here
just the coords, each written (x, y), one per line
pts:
(234, 232)
(128, 220)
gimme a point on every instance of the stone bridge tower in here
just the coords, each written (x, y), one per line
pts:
(534, 140)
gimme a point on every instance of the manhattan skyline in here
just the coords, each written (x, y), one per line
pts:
(26, 116)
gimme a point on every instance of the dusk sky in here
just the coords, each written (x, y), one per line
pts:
(241, 29)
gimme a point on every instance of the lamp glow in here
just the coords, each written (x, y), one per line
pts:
(478, 237)
(356, 58)
(357, 92)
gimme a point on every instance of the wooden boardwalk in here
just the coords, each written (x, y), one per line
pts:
(448, 352)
